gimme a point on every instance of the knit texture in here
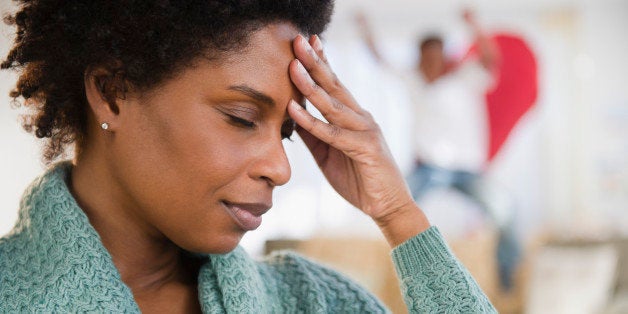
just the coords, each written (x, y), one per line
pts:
(433, 280)
(54, 261)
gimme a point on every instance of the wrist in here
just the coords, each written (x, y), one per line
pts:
(402, 223)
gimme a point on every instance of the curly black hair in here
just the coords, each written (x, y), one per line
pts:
(140, 43)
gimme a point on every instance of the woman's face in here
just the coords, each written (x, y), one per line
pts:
(196, 158)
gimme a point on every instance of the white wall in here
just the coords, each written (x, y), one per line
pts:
(19, 155)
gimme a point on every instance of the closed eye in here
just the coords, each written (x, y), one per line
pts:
(241, 122)
(287, 128)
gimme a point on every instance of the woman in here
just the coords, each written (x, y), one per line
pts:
(177, 111)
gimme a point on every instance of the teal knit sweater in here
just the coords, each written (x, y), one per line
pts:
(53, 261)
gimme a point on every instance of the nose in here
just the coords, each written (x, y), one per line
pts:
(272, 164)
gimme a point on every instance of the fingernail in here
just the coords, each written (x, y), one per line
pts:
(303, 38)
(304, 41)
(318, 44)
(308, 47)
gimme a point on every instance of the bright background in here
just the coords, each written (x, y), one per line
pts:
(565, 164)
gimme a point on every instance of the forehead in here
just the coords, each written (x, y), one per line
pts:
(263, 63)
(269, 50)
(273, 42)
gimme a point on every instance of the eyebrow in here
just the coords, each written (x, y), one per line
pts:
(254, 94)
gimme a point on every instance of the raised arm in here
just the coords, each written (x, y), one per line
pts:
(488, 52)
(366, 32)
(352, 154)
(350, 149)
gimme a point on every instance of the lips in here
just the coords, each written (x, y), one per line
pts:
(247, 215)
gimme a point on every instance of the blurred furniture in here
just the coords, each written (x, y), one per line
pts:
(619, 301)
(579, 276)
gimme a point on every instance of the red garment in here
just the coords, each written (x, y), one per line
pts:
(514, 92)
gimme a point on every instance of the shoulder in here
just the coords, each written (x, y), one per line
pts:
(15, 273)
(305, 278)
(24, 249)
(53, 260)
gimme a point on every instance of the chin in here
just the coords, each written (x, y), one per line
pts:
(212, 245)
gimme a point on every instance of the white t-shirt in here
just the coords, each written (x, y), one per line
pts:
(451, 126)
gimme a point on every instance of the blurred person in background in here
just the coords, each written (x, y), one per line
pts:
(177, 112)
(451, 129)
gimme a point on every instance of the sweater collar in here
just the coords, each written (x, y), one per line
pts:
(64, 250)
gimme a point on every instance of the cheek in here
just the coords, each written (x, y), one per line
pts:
(194, 156)
(200, 151)
(176, 164)
(175, 168)
(204, 164)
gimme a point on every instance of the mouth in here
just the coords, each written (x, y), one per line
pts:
(247, 215)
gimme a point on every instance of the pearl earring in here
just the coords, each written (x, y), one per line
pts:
(104, 126)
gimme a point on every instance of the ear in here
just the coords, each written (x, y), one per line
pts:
(104, 90)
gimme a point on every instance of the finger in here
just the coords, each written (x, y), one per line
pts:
(328, 133)
(321, 72)
(332, 109)
(317, 45)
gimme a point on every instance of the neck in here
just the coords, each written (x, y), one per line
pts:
(432, 74)
(145, 258)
